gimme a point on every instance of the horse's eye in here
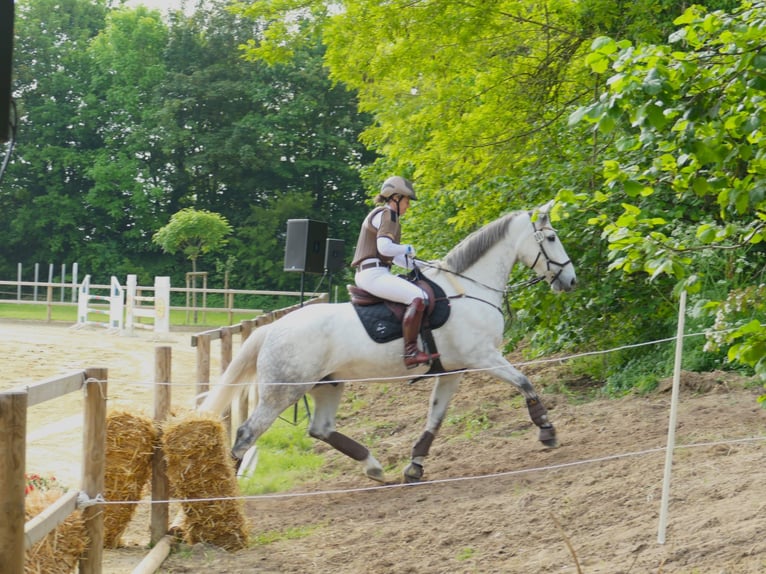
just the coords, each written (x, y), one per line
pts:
(551, 238)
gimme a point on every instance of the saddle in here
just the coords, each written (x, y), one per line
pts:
(382, 319)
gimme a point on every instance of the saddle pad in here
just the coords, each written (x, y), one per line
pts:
(382, 325)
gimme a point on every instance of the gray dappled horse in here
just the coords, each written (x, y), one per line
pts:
(316, 348)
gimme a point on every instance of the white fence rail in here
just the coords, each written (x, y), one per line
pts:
(26, 292)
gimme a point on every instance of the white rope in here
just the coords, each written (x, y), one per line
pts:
(84, 501)
(504, 474)
(478, 370)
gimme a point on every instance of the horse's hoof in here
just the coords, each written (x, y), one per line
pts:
(375, 474)
(548, 437)
(413, 473)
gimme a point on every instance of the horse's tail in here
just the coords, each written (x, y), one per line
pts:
(241, 370)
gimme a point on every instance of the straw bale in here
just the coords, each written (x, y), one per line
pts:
(61, 549)
(200, 466)
(130, 442)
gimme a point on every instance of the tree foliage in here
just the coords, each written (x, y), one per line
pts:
(193, 232)
(685, 170)
(129, 116)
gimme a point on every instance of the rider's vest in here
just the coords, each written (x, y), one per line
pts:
(367, 244)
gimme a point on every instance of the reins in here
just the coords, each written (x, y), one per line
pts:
(504, 292)
(539, 237)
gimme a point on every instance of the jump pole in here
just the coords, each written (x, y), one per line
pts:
(673, 419)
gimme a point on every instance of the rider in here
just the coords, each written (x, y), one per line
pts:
(377, 248)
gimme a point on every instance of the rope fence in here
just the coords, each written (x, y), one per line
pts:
(407, 378)
(504, 474)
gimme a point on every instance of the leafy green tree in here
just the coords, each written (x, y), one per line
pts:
(264, 137)
(127, 65)
(194, 233)
(685, 171)
(41, 218)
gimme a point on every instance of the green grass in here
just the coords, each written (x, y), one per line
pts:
(68, 314)
(294, 533)
(285, 457)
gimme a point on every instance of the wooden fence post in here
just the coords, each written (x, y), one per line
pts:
(244, 398)
(160, 484)
(226, 354)
(13, 435)
(94, 463)
(203, 365)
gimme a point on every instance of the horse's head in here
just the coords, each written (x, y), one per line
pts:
(543, 252)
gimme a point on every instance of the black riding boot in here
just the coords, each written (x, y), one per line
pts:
(410, 329)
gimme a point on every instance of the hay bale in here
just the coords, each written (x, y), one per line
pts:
(130, 441)
(199, 466)
(60, 550)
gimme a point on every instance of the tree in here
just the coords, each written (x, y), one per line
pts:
(41, 218)
(193, 232)
(685, 172)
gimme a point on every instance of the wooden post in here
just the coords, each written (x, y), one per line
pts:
(203, 365)
(160, 485)
(94, 463)
(49, 302)
(226, 354)
(244, 398)
(13, 435)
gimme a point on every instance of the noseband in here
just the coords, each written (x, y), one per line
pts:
(540, 239)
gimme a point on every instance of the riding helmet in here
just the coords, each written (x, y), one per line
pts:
(397, 185)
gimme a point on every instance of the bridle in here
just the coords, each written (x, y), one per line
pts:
(539, 237)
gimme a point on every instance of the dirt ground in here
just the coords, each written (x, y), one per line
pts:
(494, 500)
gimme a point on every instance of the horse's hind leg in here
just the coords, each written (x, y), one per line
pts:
(326, 401)
(273, 399)
(445, 388)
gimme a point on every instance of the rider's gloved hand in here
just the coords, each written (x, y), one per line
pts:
(409, 251)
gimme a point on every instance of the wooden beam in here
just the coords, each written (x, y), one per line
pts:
(51, 388)
(36, 529)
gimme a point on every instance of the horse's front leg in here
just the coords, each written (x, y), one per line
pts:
(445, 388)
(326, 401)
(537, 411)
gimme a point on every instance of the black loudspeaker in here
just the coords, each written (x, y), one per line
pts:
(305, 247)
(334, 255)
(6, 54)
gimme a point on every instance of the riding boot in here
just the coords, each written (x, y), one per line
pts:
(410, 329)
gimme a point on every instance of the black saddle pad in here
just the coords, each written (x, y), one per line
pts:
(382, 325)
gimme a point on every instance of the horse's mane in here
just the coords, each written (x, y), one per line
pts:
(471, 248)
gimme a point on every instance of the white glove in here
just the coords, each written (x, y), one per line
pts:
(409, 251)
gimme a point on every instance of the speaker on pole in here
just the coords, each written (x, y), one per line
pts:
(334, 255)
(305, 246)
(6, 55)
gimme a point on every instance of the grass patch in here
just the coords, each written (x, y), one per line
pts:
(471, 424)
(286, 457)
(67, 313)
(293, 533)
(465, 554)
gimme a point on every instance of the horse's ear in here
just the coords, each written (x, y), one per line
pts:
(543, 212)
